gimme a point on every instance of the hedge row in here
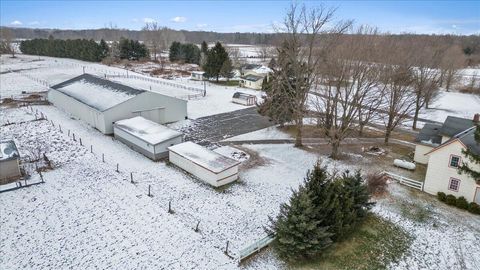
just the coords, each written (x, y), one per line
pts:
(459, 202)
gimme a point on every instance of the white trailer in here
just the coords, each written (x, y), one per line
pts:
(208, 166)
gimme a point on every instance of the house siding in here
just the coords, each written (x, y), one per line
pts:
(420, 151)
(439, 173)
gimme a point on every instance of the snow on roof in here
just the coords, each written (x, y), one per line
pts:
(8, 150)
(252, 78)
(96, 92)
(241, 95)
(203, 157)
(198, 72)
(147, 130)
(262, 70)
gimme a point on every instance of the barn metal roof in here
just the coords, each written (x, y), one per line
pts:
(454, 125)
(97, 92)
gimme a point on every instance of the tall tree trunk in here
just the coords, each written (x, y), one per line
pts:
(387, 135)
(335, 148)
(298, 135)
(417, 111)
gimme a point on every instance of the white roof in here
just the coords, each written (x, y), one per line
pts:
(8, 150)
(203, 157)
(147, 130)
(262, 70)
(198, 72)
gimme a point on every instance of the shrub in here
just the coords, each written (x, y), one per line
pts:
(474, 208)
(451, 200)
(462, 203)
(376, 183)
(442, 196)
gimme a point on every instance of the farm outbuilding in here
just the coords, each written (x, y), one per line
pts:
(101, 102)
(9, 162)
(244, 99)
(146, 137)
(210, 167)
(198, 75)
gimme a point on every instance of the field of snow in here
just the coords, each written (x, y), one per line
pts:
(454, 104)
(87, 215)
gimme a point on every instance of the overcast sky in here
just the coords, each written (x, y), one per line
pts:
(429, 17)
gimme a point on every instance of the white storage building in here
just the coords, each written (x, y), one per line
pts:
(208, 166)
(146, 137)
(101, 102)
(9, 162)
(244, 99)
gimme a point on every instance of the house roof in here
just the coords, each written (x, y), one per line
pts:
(96, 92)
(147, 130)
(252, 78)
(454, 125)
(468, 139)
(429, 134)
(203, 157)
(251, 66)
(8, 150)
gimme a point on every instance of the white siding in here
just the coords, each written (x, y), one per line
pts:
(78, 109)
(216, 180)
(420, 151)
(162, 147)
(9, 169)
(134, 140)
(439, 173)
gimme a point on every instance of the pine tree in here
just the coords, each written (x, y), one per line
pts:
(227, 69)
(357, 187)
(204, 47)
(474, 158)
(103, 49)
(215, 59)
(298, 234)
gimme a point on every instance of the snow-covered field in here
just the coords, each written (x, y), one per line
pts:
(454, 104)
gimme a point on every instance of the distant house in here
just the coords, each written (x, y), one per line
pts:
(440, 147)
(210, 167)
(252, 76)
(9, 162)
(146, 137)
(101, 102)
(198, 75)
(244, 99)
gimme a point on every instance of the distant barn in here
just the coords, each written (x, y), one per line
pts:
(101, 102)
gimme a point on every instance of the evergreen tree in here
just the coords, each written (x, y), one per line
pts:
(357, 188)
(215, 59)
(204, 47)
(227, 69)
(298, 234)
(103, 49)
(174, 52)
(474, 158)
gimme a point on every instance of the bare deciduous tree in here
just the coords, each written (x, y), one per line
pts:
(301, 30)
(152, 37)
(7, 39)
(453, 59)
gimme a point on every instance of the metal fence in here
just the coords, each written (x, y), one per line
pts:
(255, 247)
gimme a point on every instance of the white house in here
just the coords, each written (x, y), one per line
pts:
(244, 99)
(208, 166)
(252, 76)
(101, 102)
(197, 75)
(9, 162)
(444, 159)
(146, 137)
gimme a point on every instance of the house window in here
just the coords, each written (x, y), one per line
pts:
(454, 184)
(454, 161)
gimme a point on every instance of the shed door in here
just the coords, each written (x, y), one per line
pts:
(477, 195)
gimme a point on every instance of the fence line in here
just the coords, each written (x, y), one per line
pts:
(404, 180)
(255, 247)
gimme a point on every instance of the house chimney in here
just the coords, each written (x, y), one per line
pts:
(476, 118)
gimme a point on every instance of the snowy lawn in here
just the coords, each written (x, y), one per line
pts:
(453, 104)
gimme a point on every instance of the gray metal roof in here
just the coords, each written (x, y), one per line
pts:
(242, 95)
(8, 150)
(430, 134)
(252, 78)
(468, 138)
(106, 95)
(454, 125)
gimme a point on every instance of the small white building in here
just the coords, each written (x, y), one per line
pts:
(9, 162)
(252, 76)
(208, 166)
(101, 102)
(445, 157)
(146, 137)
(198, 75)
(244, 99)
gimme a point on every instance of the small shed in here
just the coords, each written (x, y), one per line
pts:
(146, 137)
(198, 75)
(9, 162)
(244, 99)
(210, 167)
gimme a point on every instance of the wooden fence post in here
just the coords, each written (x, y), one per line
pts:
(91, 148)
(198, 224)
(149, 194)
(170, 207)
(117, 167)
(74, 137)
(131, 178)
(103, 158)
(80, 141)
(226, 248)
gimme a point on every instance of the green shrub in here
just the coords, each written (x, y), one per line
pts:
(442, 196)
(474, 208)
(451, 200)
(462, 203)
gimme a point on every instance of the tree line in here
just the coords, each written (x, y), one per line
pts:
(83, 49)
(349, 81)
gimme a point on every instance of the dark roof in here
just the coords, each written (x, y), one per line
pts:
(251, 66)
(8, 150)
(454, 125)
(430, 134)
(468, 139)
(252, 78)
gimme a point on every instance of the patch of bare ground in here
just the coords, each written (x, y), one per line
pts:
(255, 159)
